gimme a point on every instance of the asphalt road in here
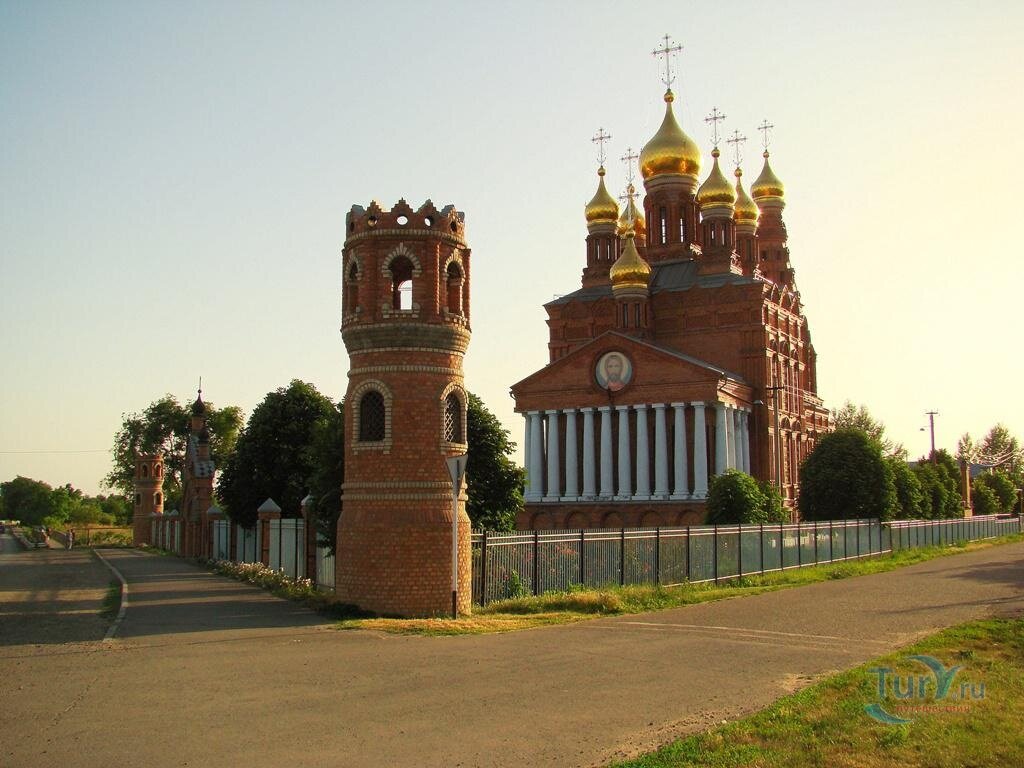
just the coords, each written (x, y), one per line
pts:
(210, 672)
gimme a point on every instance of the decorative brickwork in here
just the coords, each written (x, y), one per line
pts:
(395, 530)
(149, 496)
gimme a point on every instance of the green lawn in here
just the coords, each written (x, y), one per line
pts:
(827, 725)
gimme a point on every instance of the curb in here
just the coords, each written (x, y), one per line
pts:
(124, 598)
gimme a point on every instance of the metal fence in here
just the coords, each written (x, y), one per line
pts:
(286, 550)
(512, 564)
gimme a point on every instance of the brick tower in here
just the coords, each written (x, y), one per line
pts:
(405, 324)
(149, 495)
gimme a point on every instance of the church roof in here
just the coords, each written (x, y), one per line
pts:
(678, 275)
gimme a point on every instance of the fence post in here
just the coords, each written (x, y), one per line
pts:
(688, 553)
(714, 553)
(815, 542)
(831, 542)
(739, 550)
(536, 566)
(622, 557)
(762, 549)
(657, 555)
(483, 570)
(858, 538)
(799, 547)
(583, 541)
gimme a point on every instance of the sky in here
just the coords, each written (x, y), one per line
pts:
(174, 179)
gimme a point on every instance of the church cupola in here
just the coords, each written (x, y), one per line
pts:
(769, 194)
(716, 198)
(670, 165)
(745, 215)
(630, 277)
(602, 214)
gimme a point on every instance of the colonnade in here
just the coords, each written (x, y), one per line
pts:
(617, 465)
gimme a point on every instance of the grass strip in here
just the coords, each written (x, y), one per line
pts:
(827, 724)
(582, 604)
(111, 601)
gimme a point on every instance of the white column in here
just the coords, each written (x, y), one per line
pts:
(700, 452)
(625, 488)
(535, 464)
(607, 470)
(554, 464)
(643, 455)
(681, 483)
(572, 483)
(732, 424)
(526, 456)
(745, 440)
(660, 453)
(721, 440)
(589, 466)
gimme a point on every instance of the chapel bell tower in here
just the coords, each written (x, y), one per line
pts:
(405, 324)
(149, 495)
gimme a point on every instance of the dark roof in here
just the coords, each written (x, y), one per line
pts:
(678, 275)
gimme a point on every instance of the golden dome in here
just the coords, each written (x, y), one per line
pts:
(602, 208)
(716, 191)
(767, 184)
(629, 272)
(745, 211)
(632, 218)
(670, 150)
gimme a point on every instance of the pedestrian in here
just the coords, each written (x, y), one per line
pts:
(71, 538)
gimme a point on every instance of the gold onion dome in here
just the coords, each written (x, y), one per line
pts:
(670, 151)
(602, 208)
(745, 211)
(632, 218)
(629, 272)
(767, 185)
(716, 191)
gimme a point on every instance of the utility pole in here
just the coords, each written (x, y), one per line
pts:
(931, 425)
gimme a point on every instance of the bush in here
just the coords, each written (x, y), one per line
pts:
(845, 477)
(984, 499)
(1001, 486)
(736, 497)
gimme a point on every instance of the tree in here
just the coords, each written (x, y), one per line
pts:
(164, 428)
(852, 416)
(30, 501)
(1001, 487)
(495, 483)
(984, 499)
(328, 449)
(736, 497)
(845, 477)
(274, 455)
(909, 496)
(939, 491)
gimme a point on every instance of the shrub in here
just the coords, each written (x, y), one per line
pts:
(736, 497)
(1001, 486)
(845, 477)
(984, 499)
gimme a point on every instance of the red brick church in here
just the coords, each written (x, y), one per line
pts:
(684, 352)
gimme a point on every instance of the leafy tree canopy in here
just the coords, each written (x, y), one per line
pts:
(1001, 487)
(736, 497)
(984, 500)
(909, 495)
(845, 477)
(274, 455)
(495, 483)
(163, 427)
(34, 502)
(940, 490)
(852, 416)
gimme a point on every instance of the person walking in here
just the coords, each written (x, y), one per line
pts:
(71, 538)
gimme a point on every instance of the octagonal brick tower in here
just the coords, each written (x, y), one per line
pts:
(149, 496)
(405, 324)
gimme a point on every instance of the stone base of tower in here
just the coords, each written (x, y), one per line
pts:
(142, 528)
(403, 571)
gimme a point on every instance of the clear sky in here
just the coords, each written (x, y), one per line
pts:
(174, 179)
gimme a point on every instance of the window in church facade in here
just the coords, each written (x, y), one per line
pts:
(453, 431)
(401, 283)
(371, 417)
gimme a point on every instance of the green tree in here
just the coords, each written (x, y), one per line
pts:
(163, 427)
(909, 495)
(774, 506)
(983, 499)
(736, 497)
(274, 455)
(1001, 486)
(852, 416)
(495, 483)
(30, 501)
(328, 450)
(845, 477)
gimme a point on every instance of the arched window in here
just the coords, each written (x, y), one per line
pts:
(401, 283)
(145, 470)
(138, 499)
(371, 417)
(454, 288)
(453, 432)
(157, 471)
(156, 499)
(352, 288)
(663, 219)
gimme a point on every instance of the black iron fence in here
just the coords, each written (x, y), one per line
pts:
(533, 562)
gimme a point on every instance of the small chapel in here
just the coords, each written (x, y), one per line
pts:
(685, 351)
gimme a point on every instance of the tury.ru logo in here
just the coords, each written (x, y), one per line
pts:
(911, 695)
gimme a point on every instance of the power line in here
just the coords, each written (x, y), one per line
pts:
(91, 450)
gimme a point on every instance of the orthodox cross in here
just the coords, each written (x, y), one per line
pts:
(765, 127)
(714, 119)
(600, 139)
(628, 159)
(737, 146)
(667, 50)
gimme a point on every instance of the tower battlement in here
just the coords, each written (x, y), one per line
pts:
(426, 221)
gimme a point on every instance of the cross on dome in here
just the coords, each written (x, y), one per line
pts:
(737, 141)
(628, 159)
(765, 127)
(714, 119)
(666, 51)
(600, 138)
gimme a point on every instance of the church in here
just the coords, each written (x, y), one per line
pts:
(684, 352)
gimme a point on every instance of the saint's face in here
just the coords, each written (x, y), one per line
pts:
(613, 368)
